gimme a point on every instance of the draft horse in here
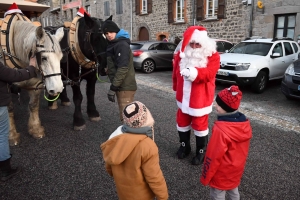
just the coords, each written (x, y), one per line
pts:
(22, 39)
(92, 43)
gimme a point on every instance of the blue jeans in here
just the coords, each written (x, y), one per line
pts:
(4, 131)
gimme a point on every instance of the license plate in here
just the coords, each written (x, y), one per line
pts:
(223, 73)
(298, 87)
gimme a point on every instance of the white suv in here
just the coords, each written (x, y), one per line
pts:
(255, 61)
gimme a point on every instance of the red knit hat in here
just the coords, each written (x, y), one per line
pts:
(195, 34)
(13, 9)
(81, 12)
(229, 99)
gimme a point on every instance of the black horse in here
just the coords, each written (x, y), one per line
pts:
(93, 45)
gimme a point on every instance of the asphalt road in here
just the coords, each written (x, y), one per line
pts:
(68, 164)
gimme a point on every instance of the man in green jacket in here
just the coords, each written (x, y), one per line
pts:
(120, 68)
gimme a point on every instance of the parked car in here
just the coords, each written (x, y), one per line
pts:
(222, 46)
(150, 55)
(290, 85)
(256, 61)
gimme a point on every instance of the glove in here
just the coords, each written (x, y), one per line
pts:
(114, 88)
(111, 95)
(15, 89)
(185, 72)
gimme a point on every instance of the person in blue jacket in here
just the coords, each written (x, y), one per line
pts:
(120, 69)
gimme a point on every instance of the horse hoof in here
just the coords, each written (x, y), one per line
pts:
(38, 136)
(54, 107)
(14, 142)
(79, 128)
(67, 103)
(95, 119)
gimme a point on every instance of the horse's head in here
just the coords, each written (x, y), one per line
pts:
(92, 41)
(48, 54)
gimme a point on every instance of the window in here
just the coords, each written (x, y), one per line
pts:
(65, 15)
(71, 13)
(106, 8)
(288, 48)
(176, 11)
(119, 7)
(210, 9)
(295, 47)
(143, 7)
(285, 26)
(277, 49)
(179, 11)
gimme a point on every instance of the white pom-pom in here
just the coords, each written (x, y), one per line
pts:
(182, 54)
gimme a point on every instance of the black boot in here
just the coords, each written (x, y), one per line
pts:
(201, 144)
(6, 172)
(185, 147)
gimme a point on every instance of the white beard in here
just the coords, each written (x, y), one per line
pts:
(193, 58)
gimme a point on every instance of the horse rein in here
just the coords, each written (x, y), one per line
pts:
(88, 39)
(39, 61)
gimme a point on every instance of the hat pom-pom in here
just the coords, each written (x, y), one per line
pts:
(182, 54)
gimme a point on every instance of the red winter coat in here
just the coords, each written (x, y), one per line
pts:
(226, 154)
(196, 97)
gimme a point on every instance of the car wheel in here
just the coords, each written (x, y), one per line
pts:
(148, 66)
(260, 82)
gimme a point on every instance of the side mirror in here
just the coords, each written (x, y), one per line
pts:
(275, 55)
(226, 51)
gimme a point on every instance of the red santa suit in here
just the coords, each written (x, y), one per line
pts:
(195, 93)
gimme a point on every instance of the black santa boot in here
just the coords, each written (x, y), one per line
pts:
(201, 144)
(6, 171)
(185, 147)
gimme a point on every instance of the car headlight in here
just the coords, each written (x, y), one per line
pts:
(242, 66)
(290, 70)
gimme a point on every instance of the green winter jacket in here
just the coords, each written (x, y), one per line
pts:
(120, 68)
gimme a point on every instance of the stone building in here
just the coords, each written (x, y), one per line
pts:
(232, 20)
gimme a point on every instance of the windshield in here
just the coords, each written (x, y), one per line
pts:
(253, 48)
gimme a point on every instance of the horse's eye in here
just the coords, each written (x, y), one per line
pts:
(44, 59)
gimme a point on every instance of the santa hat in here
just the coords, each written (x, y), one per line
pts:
(13, 9)
(193, 34)
(81, 12)
(229, 99)
(137, 115)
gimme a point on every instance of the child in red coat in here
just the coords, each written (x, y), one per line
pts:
(228, 147)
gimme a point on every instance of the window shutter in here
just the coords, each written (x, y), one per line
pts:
(149, 6)
(137, 7)
(221, 9)
(200, 10)
(170, 11)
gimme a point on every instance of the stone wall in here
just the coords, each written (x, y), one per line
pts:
(235, 28)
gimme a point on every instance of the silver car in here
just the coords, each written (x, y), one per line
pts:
(150, 55)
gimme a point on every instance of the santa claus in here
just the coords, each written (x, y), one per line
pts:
(194, 71)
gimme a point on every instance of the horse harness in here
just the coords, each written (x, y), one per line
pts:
(13, 61)
(77, 54)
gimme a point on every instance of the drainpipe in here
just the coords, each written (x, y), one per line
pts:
(251, 18)
(193, 7)
(131, 19)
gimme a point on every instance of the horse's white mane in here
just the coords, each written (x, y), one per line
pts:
(25, 41)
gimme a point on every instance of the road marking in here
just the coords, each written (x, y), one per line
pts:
(273, 121)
